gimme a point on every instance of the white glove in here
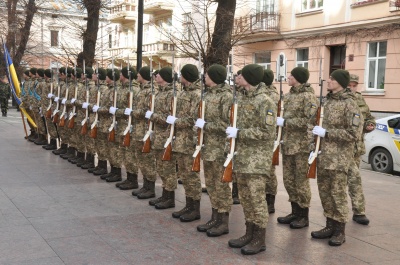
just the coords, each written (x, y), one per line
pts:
(171, 119)
(56, 99)
(148, 114)
(95, 108)
(231, 132)
(112, 110)
(63, 101)
(127, 111)
(200, 123)
(318, 130)
(50, 95)
(73, 100)
(280, 121)
(85, 105)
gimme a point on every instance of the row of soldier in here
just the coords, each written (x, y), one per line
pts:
(83, 108)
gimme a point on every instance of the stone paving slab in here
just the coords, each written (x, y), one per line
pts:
(52, 212)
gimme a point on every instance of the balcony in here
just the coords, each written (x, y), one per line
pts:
(161, 53)
(123, 11)
(257, 23)
(121, 54)
(394, 5)
(156, 6)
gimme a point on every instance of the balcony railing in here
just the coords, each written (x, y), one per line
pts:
(394, 5)
(158, 48)
(123, 52)
(123, 10)
(151, 6)
(260, 22)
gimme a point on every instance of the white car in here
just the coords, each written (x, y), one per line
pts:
(383, 145)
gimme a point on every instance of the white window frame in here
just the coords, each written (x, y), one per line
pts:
(266, 65)
(308, 7)
(376, 85)
(301, 63)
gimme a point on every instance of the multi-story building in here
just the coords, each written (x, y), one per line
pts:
(362, 37)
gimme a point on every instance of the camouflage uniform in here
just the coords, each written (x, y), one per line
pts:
(354, 177)
(218, 100)
(256, 121)
(78, 140)
(342, 121)
(4, 96)
(300, 109)
(51, 129)
(63, 131)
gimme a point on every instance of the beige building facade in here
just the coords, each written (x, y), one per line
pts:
(362, 37)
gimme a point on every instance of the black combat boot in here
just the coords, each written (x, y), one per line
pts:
(159, 199)
(169, 201)
(222, 226)
(69, 154)
(52, 145)
(184, 209)
(193, 214)
(41, 140)
(61, 150)
(149, 192)
(110, 174)
(142, 189)
(211, 223)
(235, 193)
(102, 168)
(257, 244)
(243, 240)
(301, 220)
(89, 161)
(325, 232)
(132, 182)
(116, 177)
(80, 157)
(33, 136)
(338, 237)
(81, 161)
(270, 202)
(361, 219)
(290, 217)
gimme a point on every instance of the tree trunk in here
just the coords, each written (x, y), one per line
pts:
(90, 35)
(218, 52)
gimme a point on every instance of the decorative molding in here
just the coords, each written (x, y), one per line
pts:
(309, 13)
(366, 2)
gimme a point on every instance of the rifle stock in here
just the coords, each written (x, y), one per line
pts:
(228, 172)
(84, 129)
(56, 118)
(200, 132)
(93, 132)
(146, 146)
(196, 163)
(127, 140)
(71, 122)
(111, 135)
(48, 114)
(167, 153)
(275, 157)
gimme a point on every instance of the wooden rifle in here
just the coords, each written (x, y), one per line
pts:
(56, 116)
(111, 130)
(93, 127)
(84, 123)
(127, 133)
(48, 110)
(146, 138)
(71, 119)
(228, 171)
(312, 160)
(62, 118)
(168, 144)
(200, 131)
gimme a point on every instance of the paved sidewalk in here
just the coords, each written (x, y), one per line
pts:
(52, 212)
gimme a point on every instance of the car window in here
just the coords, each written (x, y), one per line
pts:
(394, 123)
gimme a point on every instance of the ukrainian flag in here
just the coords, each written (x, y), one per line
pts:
(14, 83)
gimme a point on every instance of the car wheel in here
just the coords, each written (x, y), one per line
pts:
(381, 161)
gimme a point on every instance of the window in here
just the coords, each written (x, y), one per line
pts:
(54, 38)
(302, 57)
(376, 65)
(308, 5)
(109, 41)
(267, 6)
(187, 18)
(263, 59)
(394, 123)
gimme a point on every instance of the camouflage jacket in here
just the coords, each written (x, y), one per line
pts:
(162, 108)
(4, 90)
(256, 121)
(46, 102)
(300, 109)
(218, 101)
(106, 101)
(141, 103)
(42, 91)
(57, 88)
(122, 104)
(80, 99)
(343, 123)
(70, 88)
(187, 110)
(359, 148)
(25, 92)
(271, 92)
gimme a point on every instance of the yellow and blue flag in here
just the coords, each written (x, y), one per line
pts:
(14, 83)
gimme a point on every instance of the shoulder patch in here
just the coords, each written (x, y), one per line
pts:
(270, 117)
(356, 120)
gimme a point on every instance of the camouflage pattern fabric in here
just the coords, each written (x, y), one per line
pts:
(191, 180)
(51, 127)
(355, 187)
(64, 132)
(147, 163)
(77, 139)
(252, 197)
(344, 124)
(4, 96)
(37, 104)
(166, 170)
(101, 145)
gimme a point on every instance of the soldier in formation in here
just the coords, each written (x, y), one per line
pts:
(4, 95)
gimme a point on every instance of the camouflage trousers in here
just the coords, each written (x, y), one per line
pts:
(116, 152)
(101, 146)
(146, 162)
(77, 139)
(219, 192)
(90, 144)
(51, 128)
(130, 158)
(332, 191)
(355, 187)
(295, 179)
(252, 197)
(4, 104)
(166, 170)
(272, 183)
(191, 180)
(37, 117)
